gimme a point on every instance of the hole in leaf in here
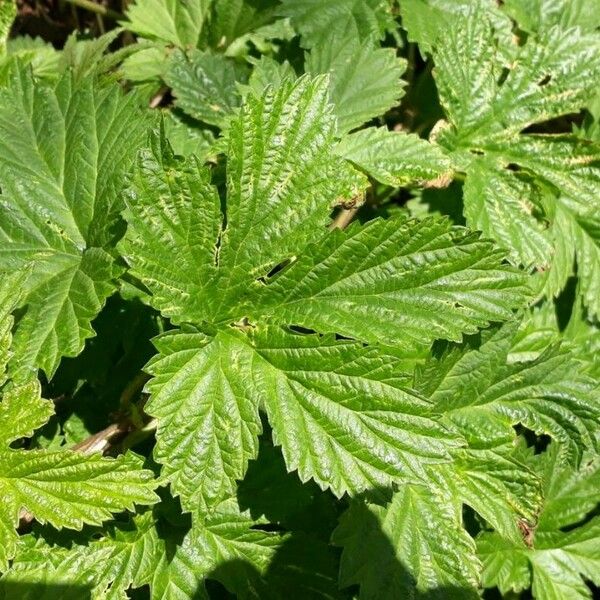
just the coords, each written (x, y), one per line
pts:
(278, 268)
(562, 124)
(565, 303)
(545, 80)
(301, 330)
(503, 75)
(476, 152)
(267, 527)
(340, 337)
(539, 443)
(582, 522)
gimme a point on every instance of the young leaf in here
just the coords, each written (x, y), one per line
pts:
(74, 142)
(205, 85)
(396, 159)
(364, 80)
(170, 21)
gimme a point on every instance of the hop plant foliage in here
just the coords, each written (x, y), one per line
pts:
(299, 299)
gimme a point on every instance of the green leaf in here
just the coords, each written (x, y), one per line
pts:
(415, 544)
(315, 20)
(170, 21)
(571, 166)
(551, 75)
(225, 545)
(427, 21)
(364, 80)
(148, 64)
(499, 204)
(396, 159)
(161, 185)
(274, 206)
(63, 488)
(44, 59)
(537, 16)
(416, 281)
(493, 481)
(282, 179)
(22, 411)
(64, 151)
(10, 292)
(208, 416)
(549, 395)
(186, 138)
(306, 405)
(234, 21)
(205, 85)
(8, 12)
(314, 400)
(369, 282)
(504, 565)
(267, 72)
(584, 337)
(67, 489)
(570, 495)
(127, 556)
(552, 561)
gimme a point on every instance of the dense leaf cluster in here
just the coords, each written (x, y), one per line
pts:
(300, 299)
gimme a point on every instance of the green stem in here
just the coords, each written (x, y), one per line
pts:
(139, 435)
(98, 9)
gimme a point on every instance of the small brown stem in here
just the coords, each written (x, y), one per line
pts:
(343, 218)
(158, 97)
(100, 22)
(139, 435)
(97, 8)
(100, 441)
(132, 388)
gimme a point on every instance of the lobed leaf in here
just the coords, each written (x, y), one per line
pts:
(364, 80)
(208, 416)
(394, 281)
(64, 151)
